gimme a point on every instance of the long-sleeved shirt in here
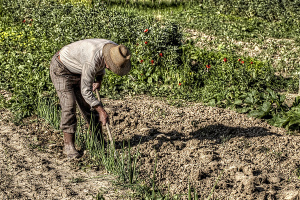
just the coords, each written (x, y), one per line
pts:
(85, 57)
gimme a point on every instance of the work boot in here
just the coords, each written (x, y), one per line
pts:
(69, 146)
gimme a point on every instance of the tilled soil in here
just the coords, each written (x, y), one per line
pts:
(32, 166)
(217, 151)
(213, 149)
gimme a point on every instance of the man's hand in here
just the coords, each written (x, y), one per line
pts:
(103, 116)
(96, 85)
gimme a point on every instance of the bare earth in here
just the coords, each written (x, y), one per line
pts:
(32, 166)
(192, 143)
(198, 144)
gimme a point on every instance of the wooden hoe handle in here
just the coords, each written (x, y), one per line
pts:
(107, 126)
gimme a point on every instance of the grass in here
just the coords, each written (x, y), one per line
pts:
(77, 180)
(179, 73)
(298, 172)
(120, 162)
(99, 197)
(49, 111)
(240, 34)
(212, 31)
(213, 189)
(231, 33)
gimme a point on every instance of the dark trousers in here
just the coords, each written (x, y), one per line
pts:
(67, 86)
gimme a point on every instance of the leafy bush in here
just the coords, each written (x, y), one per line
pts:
(268, 10)
(163, 62)
(40, 30)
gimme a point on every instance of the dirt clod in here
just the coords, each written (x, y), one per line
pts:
(238, 156)
(33, 168)
(245, 157)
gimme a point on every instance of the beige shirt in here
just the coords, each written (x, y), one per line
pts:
(85, 57)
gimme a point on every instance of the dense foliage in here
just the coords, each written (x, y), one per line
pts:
(164, 62)
(269, 10)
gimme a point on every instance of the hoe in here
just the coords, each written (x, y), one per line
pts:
(107, 126)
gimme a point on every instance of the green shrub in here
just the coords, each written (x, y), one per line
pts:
(164, 63)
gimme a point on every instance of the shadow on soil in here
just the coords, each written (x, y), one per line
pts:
(217, 133)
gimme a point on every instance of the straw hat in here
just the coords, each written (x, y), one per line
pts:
(117, 57)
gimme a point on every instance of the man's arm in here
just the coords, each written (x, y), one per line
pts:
(87, 79)
(102, 114)
(98, 80)
(97, 84)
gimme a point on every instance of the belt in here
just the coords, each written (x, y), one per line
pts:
(65, 68)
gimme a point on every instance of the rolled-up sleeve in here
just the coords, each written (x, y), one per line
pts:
(87, 80)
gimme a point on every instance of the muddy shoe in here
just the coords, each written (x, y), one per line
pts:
(70, 151)
(69, 147)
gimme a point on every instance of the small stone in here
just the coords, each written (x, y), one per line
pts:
(291, 195)
(248, 185)
(144, 129)
(153, 153)
(233, 167)
(248, 170)
(239, 176)
(272, 192)
(274, 179)
(52, 146)
(163, 136)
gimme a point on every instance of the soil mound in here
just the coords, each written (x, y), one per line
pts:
(244, 158)
(217, 151)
